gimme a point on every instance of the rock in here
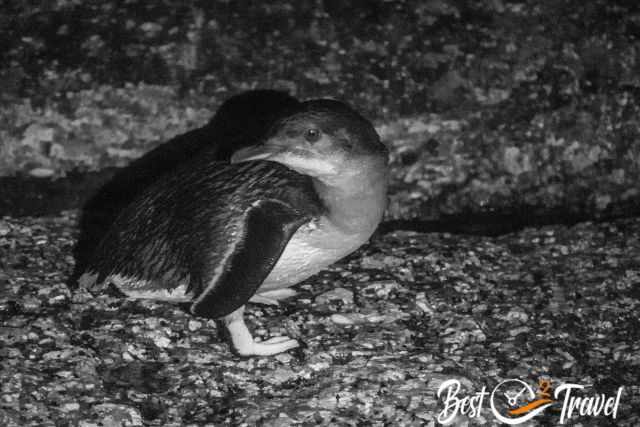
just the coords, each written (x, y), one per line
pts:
(162, 342)
(380, 262)
(194, 325)
(283, 420)
(348, 319)
(112, 414)
(31, 304)
(280, 375)
(70, 407)
(284, 358)
(41, 172)
(381, 289)
(419, 126)
(517, 315)
(337, 294)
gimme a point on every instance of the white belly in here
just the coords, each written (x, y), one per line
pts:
(312, 248)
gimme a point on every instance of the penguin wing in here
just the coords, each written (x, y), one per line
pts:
(264, 233)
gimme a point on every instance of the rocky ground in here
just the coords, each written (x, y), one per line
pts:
(498, 114)
(383, 329)
(487, 105)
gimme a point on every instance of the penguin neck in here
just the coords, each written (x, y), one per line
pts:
(355, 201)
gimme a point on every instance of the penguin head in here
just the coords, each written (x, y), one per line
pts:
(325, 139)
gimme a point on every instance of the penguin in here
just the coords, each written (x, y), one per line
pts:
(241, 121)
(219, 235)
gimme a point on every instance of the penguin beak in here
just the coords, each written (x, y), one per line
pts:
(255, 152)
(304, 161)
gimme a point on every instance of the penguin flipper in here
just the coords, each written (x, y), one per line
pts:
(268, 225)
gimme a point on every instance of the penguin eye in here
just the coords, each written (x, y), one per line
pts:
(312, 135)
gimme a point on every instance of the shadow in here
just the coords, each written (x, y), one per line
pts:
(31, 196)
(498, 223)
(241, 121)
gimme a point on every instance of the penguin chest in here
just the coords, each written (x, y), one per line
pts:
(313, 247)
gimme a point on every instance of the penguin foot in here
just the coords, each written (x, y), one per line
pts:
(245, 345)
(272, 297)
(268, 347)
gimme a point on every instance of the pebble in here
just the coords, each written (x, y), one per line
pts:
(423, 304)
(379, 263)
(280, 375)
(162, 342)
(337, 294)
(118, 415)
(57, 355)
(41, 172)
(419, 126)
(31, 304)
(73, 406)
(348, 319)
(284, 358)
(319, 366)
(517, 314)
(283, 420)
(194, 325)
(381, 289)
(518, 331)
(58, 299)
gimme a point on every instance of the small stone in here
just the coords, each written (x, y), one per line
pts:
(64, 374)
(518, 331)
(423, 304)
(381, 289)
(162, 341)
(202, 357)
(419, 126)
(73, 406)
(348, 319)
(319, 366)
(375, 318)
(280, 375)
(41, 172)
(370, 262)
(379, 263)
(57, 355)
(517, 314)
(116, 414)
(284, 358)
(31, 304)
(58, 299)
(194, 325)
(337, 294)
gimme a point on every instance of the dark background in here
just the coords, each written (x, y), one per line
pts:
(520, 108)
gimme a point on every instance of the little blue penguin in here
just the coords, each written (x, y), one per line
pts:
(218, 235)
(241, 121)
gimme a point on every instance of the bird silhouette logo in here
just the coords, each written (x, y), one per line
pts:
(521, 399)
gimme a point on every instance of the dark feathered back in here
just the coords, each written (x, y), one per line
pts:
(169, 233)
(241, 121)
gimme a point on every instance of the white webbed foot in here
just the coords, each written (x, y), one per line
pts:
(245, 345)
(272, 297)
